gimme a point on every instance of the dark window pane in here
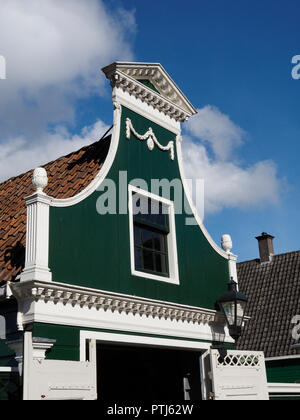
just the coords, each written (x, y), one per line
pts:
(164, 264)
(147, 241)
(148, 260)
(160, 261)
(159, 242)
(150, 212)
(138, 258)
(137, 235)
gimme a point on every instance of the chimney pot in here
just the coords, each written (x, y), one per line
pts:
(266, 249)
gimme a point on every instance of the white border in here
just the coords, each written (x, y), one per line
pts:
(97, 181)
(284, 388)
(274, 359)
(146, 111)
(171, 238)
(138, 340)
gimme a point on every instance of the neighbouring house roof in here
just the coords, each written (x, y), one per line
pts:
(273, 290)
(67, 176)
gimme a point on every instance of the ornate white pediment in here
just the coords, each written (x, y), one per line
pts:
(151, 83)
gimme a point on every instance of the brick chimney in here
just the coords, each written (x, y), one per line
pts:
(266, 249)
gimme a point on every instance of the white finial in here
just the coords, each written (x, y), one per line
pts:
(40, 179)
(227, 243)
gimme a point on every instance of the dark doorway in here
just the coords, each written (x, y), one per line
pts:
(128, 373)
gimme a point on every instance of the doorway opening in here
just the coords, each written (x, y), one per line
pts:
(130, 373)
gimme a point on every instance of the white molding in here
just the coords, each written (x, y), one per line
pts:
(60, 304)
(8, 369)
(232, 266)
(284, 388)
(39, 348)
(92, 187)
(191, 204)
(274, 359)
(145, 110)
(138, 340)
(28, 355)
(171, 238)
(150, 137)
(37, 238)
(170, 100)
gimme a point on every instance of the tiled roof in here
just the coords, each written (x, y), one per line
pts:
(273, 290)
(67, 176)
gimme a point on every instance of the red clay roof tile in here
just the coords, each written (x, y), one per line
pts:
(67, 176)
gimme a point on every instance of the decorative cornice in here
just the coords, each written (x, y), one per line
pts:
(170, 100)
(90, 298)
(151, 139)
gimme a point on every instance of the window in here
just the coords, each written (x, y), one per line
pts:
(153, 240)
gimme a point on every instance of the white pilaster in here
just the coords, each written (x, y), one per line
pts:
(232, 267)
(37, 234)
(227, 246)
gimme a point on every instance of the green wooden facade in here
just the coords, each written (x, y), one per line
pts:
(92, 250)
(281, 371)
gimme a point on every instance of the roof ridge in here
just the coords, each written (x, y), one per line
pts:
(274, 256)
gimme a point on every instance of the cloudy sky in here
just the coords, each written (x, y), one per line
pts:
(233, 61)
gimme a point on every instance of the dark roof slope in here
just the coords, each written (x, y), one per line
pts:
(67, 176)
(273, 290)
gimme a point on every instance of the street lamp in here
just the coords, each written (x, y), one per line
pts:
(233, 305)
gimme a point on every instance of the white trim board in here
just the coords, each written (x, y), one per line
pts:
(285, 388)
(8, 369)
(138, 340)
(273, 359)
(146, 111)
(55, 303)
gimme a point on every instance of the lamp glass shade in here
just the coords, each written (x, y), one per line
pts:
(234, 312)
(229, 312)
(233, 305)
(240, 312)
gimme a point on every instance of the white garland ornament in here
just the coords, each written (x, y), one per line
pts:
(151, 139)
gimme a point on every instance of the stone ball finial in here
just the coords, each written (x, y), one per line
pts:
(226, 243)
(40, 179)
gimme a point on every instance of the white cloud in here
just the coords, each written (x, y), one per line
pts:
(216, 129)
(54, 50)
(16, 153)
(227, 184)
(47, 42)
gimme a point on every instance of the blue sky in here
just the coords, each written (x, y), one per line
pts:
(231, 58)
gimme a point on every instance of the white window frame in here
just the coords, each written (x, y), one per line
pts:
(171, 238)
